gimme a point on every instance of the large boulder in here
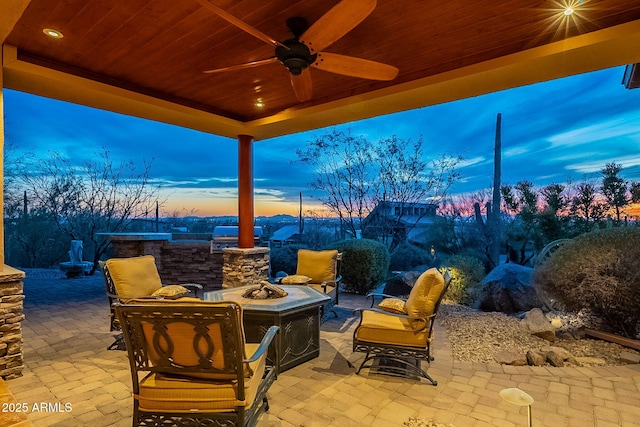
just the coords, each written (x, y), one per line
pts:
(558, 356)
(510, 357)
(535, 323)
(535, 358)
(509, 288)
(401, 283)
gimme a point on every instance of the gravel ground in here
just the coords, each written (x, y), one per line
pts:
(417, 422)
(476, 336)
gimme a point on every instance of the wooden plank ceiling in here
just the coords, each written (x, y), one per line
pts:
(162, 47)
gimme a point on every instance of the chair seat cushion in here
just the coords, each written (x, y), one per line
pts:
(384, 328)
(180, 393)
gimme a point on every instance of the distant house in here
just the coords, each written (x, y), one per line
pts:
(390, 221)
(286, 235)
(318, 233)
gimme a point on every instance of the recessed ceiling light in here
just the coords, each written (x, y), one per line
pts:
(569, 10)
(54, 34)
(259, 103)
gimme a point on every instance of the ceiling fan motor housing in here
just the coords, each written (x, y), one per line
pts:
(296, 58)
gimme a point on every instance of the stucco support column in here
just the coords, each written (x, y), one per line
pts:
(11, 286)
(1, 168)
(245, 191)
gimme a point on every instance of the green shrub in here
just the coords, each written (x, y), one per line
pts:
(365, 264)
(467, 273)
(597, 271)
(285, 259)
(407, 257)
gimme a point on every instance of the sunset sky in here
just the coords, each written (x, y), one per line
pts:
(556, 131)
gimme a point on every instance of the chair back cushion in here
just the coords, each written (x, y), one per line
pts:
(178, 341)
(425, 294)
(134, 277)
(189, 343)
(320, 266)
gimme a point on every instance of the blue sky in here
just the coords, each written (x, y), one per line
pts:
(556, 131)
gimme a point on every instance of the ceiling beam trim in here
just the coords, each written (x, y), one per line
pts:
(38, 80)
(601, 49)
(12, 10)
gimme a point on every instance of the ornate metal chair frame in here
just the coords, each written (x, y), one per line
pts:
(403, 360)
(114, 323)
(225, 315)
(112, 297)
(331, 288)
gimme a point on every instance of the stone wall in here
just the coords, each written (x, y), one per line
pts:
(182, 261)
(11, 317)
(245, 266)
(191, 262)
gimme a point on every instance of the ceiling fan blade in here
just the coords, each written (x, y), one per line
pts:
(240, 24)
(243, 66)
(302, 85)
(355, 67)
(337, 22)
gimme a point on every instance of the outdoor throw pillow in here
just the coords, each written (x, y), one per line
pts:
(392, 305)
(295, 279)
(170, 292)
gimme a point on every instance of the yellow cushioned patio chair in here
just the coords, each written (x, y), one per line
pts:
(190, 364)
(323, 270)
(136, 277)
(397, 335)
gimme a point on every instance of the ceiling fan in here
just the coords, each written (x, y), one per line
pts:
(305, 49)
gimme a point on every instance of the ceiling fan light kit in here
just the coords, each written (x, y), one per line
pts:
(302, 51)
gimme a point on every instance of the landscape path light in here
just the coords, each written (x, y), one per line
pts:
(518, 397)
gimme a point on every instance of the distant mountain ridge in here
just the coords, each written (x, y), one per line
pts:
(233, 218)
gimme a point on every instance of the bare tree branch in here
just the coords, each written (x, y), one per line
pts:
(100, 196)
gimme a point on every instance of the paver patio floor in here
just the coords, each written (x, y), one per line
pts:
(67, 362)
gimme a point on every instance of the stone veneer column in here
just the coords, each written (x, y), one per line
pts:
(244, 266)
(11, 317)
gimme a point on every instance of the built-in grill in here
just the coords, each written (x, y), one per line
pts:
(226, 236)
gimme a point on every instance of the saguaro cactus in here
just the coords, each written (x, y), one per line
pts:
(494, 217)
(491, 229)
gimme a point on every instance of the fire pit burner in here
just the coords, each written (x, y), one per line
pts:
(264, 290)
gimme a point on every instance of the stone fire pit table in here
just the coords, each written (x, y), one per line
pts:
(297, 315)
